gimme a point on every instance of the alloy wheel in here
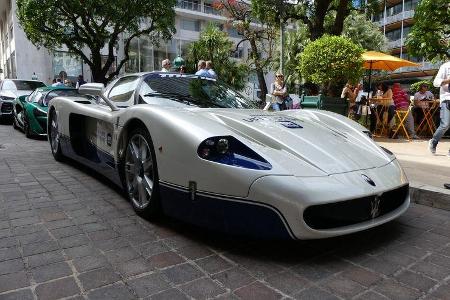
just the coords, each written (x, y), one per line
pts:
(54, 134)
(139, 174)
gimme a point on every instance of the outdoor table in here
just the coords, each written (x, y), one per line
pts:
(427, 123)
(382, 126)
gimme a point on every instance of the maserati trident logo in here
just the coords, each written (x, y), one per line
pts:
(368, 180)
(375, 206)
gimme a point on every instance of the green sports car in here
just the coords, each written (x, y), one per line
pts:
(30, 112)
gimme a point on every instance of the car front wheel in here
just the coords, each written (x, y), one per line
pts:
(54, 137)
(141, 174)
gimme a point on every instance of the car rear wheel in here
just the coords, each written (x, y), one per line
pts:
(54, 137)
(141, 174)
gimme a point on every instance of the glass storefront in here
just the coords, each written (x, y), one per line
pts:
(66, 65)
(146, 57)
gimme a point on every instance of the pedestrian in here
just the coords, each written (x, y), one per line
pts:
(67, 83)
(421, 99)
(58, 82)
(442, 80)
(34, 76)
(182, 69)
(210, 70)
(80, 81)
(279, 92)
(201, 69)
(165, 65)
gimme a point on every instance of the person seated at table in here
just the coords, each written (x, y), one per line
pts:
(421, 99)
(402, 103)
(384, 92)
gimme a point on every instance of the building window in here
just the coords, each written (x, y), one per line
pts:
(191, 25)
(189, 4)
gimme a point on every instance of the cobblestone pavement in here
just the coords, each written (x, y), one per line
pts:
(66, 232)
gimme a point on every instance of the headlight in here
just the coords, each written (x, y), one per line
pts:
(229, 151)
(6, 98)
(39, 113)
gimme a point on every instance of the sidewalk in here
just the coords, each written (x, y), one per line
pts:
(426, 172)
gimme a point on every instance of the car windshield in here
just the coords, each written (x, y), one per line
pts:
(23, 85)
(57, 93)
(190, 90)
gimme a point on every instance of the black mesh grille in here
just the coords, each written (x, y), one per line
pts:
(339, 214)
(7, 107)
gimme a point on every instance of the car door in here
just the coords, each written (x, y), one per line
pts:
(92, 129)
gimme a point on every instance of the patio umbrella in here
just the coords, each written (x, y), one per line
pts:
(379, 61)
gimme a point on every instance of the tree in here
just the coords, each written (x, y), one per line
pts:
(331, 61)
(295, 43)
(259, 36)
(94, 25)
(313, 14)
(364, 33)
(430, 34)
(214, 45)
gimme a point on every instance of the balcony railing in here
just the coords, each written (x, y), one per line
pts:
(396, 18)
(205, 7)
(396, 44)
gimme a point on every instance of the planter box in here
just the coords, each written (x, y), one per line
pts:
(334, 104)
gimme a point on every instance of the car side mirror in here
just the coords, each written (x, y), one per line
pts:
(96, 90)
(93, 89)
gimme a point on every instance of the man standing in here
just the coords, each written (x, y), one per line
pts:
(201, 67)
(80, 81)
(442, 80)
(165, 65)
(210, 70)
(58, 82)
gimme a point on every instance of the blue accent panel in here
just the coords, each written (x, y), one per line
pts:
(231, 216)
(237, 155)
(98, 160)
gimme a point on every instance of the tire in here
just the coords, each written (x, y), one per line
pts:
(140, 174)
(53, 137)
(26, 127)
(15, 126)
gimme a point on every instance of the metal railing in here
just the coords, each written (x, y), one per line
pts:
(205, 7)
(396, 18)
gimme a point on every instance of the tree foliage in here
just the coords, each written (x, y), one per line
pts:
(416, 86)
(314, 14)
(214, 45)
(364, 33)
(94, 25)
(331, 61)
(430, 34)
(259, 36)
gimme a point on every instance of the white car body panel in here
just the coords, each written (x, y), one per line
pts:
(320, 160)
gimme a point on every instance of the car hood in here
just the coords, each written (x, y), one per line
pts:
(325, 141)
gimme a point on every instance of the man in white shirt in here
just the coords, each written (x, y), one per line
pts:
(58, 82)
(165, 65)
(442, 80)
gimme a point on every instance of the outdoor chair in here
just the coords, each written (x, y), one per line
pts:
(401, 116)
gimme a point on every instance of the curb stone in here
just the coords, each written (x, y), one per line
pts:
(429, 195)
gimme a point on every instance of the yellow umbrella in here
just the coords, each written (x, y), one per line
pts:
(379, 61)
(374, 60)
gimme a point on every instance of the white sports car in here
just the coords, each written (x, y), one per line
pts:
(196, 150)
